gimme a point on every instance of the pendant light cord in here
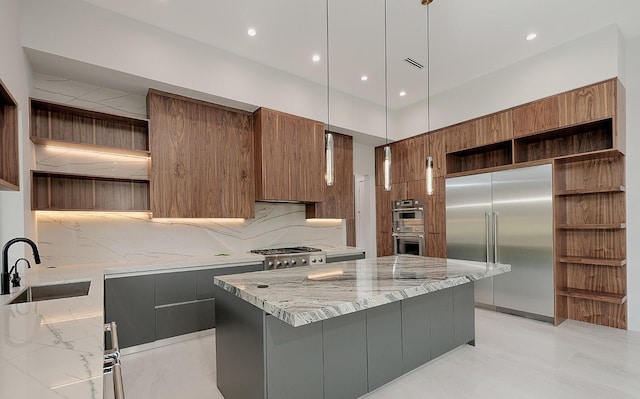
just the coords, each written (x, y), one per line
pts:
(386, 80)
(428, 71)
(327, 55)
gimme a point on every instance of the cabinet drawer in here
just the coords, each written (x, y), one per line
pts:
(175, 287)
(173, 320)
(206, 313)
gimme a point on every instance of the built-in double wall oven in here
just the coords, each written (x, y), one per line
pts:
(408, 227)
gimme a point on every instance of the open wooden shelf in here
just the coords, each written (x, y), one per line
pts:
(75, 192)
(480, 159)
(617, 299)
(88, 147)
(80, 128)
(594, 226)
(592, 261)
(592, 190)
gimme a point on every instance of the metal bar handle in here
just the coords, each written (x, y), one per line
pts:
(112, 360)
(118, 387)
(486, 231)
(495, 237)
(409, 209)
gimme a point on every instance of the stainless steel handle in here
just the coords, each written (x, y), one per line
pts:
(486, 231)
(112, 360)
(409, 209)
(495, 237)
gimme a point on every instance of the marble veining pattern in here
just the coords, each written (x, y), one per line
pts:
(304, 295)
(71, 238)
(88, 96)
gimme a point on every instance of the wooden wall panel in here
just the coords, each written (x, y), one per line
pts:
(383, 210)
(606, 244)
(604, 279)
(9, 157)
(494, 128)
(591, 173)
(602, 208)
(436, 220)
(435, 149)
(399, 162)
(588, 103)
(379, 160)
(415, 162)
(202, 159)
(537, 116)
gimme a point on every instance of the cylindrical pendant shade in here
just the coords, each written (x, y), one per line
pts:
(429, 175)
(329, 159)
(387, 168)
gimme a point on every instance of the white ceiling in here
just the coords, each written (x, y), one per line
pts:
(469, 38)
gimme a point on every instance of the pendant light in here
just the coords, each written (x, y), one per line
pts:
(429, 163)
(387, 149)
(328, 137)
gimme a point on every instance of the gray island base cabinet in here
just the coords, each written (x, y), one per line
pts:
(260, 356)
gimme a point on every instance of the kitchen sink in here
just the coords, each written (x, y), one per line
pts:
(35, 293)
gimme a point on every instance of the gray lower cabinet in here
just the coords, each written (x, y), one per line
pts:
(130, 302)
(416, 331)
(442, 326)
(158, 306)
(341, 258)
(464, 325)
(384, 344)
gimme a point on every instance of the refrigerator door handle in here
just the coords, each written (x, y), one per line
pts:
(495, 237)
(486, 230)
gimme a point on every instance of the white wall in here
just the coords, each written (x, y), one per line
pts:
(632, 85)
(15, 216)
(586, 60)
(364, 165)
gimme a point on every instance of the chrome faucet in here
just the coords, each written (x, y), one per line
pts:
(5, 261)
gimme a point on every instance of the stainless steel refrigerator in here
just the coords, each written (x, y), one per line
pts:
(506, 217)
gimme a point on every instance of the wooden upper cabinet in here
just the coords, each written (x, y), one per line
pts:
(460, 137)
(435, 149)
(9, 158)
(379, 160)
(289, 157)
(494, 128)
(588, 103)
(537, 116)
(399, 158)
(338, 199)
(202, 159)
(415, 163)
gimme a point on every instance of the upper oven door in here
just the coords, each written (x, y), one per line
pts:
(408, 220)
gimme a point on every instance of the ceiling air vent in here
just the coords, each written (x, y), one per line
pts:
(414, 62)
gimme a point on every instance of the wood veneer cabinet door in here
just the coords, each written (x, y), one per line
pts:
(9, 157)
(379, 160)
(338, 199)
(537, 116)
(415, 164)
(435, 149)
(460, 136)
(494, 128)
(588, 103)
(202, 163)
(289, 154)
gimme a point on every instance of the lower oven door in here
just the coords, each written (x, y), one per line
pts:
(409, 244)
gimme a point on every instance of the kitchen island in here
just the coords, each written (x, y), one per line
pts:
(340, 330)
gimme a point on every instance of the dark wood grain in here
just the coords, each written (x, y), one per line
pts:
(338, 199)
(460, 137)
(588, 103)
(599, 208)
(9, 156)
(384, 244)
(202, 159)
(436, 223)
(291, 155)
(68, 124)
(435, 149)
(55, 191)
(537, 116)
(479, 158)
(494, 128)
(597, 312)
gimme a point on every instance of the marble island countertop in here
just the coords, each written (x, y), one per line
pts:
(304, 295)
(54, 349)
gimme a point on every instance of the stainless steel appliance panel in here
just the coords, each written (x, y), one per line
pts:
(523, 222)
(468, 225)
(409, 244)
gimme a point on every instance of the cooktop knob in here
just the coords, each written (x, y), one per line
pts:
(286, 263)
(278, 264)
(313, 260)
(320, 260)
(293, 262)
(304, 261)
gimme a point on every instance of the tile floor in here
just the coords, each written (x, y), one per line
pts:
(513, 358)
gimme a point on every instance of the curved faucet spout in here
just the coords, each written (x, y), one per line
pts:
(5, 260)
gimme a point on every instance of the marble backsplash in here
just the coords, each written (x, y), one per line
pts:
(67, 238)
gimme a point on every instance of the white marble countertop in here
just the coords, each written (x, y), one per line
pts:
(303, 295)
(53, 349)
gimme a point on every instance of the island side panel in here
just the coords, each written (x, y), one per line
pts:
(464, 317)
(294, 360)
(442, 325)
(416, 330)
(240, 365)
(345, 356)
(384, 344)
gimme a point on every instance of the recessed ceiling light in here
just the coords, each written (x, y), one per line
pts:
(403, 93)
(315, 58)
(531, 36)
(251, 32)
(364, 78)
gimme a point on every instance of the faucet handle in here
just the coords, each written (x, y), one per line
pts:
(15, 279)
